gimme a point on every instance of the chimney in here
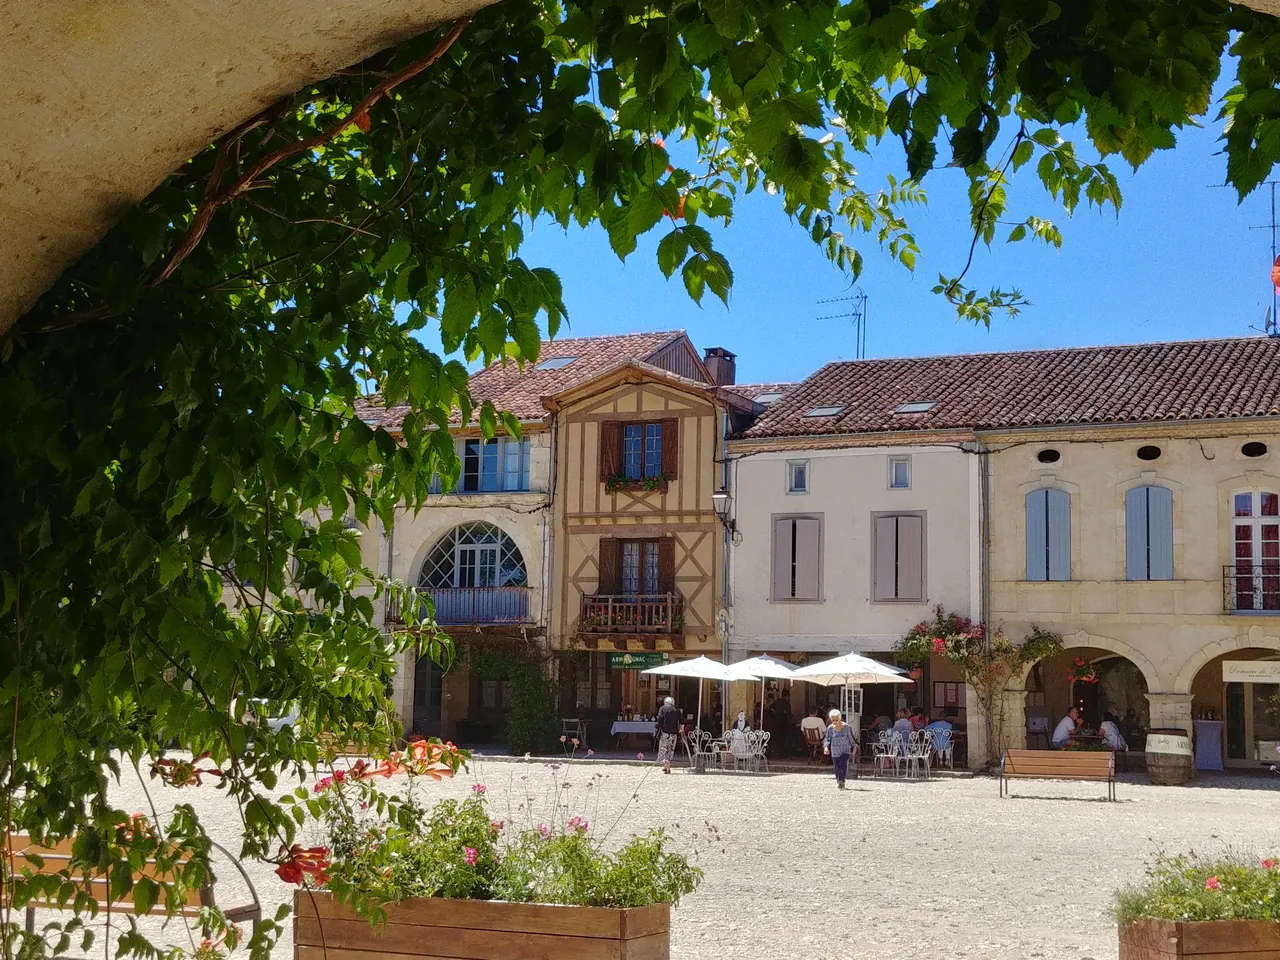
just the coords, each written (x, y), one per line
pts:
(720, 364)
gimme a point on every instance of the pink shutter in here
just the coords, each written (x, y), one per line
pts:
(782, 529)
(808, 558)
(911, 558)
(884, 557)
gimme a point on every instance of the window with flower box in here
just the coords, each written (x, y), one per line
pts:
(639, 454)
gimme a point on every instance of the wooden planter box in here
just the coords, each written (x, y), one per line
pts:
(1220, 939)
(479, 930)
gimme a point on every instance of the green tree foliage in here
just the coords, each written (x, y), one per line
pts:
(182, 443)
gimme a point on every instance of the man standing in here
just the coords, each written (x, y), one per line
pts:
(1065, 728)
(668, 730)
(782, 722)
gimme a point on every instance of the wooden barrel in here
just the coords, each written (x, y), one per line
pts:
(1170, 759)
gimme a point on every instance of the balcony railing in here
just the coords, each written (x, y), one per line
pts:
(472, 606)
(646, 613)
(1248, 588)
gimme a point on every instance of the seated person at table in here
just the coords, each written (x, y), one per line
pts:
(741, 723)
(1065, 728)
(814, 722)
(939, 725)
(918, 720)
(903, 725)
(1110, 731)
(881, 724)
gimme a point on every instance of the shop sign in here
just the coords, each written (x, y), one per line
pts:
(1251, 671)
(636, 661)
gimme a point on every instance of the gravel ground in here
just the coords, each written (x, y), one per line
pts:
(796, 869)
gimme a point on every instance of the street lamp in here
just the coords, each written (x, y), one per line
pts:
(720, 502)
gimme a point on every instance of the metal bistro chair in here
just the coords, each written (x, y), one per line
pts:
(757, 750)
(944, 748)
(574, 728)
(884, 752)
(918, 753)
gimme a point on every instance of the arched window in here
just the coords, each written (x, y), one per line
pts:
(1255, 544)
(1048, 535)
(1148, 524)
(473, 555)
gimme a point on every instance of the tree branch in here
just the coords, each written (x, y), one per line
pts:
(215, 201)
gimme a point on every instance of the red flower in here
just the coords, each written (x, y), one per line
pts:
(305, 861)
(1269, 864)
(939, 645)
(1213, 883)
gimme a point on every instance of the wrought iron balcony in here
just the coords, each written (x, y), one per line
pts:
(475, 606)
(620, 613)
(1251, 588)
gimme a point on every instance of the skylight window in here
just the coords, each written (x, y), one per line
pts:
(825, 411)
(917, 406)
(767, 398)
(555, 363)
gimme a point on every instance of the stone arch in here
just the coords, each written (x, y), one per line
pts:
(1082, 638)
(1255, 638)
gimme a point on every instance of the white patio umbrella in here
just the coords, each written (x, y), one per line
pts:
(849, 669)
(701, 668)
(762, 667)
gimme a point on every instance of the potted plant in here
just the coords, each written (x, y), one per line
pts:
(1197, 906)
(392, 874)
(1082, 671)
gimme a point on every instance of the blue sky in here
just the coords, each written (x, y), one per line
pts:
(1179, 262)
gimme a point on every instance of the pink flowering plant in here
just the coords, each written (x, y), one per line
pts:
(984, 660)
(383, 846)
(1230, 886)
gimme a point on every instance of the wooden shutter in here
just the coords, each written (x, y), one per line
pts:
(1058, 507)
(670, 448)
(1135, 534)
(782, 533)
(884, 537)
(667, 565)
(610, 569)
(1160, 532)
(610, 449)
(808, 558)
(910, 558)
(1037, 546)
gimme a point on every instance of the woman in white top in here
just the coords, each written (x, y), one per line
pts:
(1110, 730)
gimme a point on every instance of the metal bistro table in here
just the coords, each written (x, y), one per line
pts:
(633, 728)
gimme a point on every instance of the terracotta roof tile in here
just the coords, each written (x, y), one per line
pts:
(1189, 380)
(749, 391)
(521, 391)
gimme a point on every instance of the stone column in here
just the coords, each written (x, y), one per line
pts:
(1013, 731)
(1170, 710)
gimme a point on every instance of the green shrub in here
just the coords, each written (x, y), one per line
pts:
(531, 717)
(1194, 887)
(570, 868)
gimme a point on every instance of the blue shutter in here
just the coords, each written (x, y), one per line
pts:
(1037, 547)
(1135, 534)
(1160, 531)
(1058, 504)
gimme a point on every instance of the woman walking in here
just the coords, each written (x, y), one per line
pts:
(838, 743)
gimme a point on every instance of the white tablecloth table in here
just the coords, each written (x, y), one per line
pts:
(639, 728)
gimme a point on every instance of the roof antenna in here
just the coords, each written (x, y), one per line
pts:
(856, 310)
(1269, 325)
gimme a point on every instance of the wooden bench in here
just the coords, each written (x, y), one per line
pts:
(57, 859)
(1096, 765)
